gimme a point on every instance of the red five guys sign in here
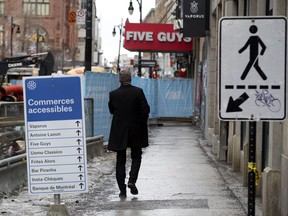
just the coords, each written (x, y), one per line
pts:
(155, 37)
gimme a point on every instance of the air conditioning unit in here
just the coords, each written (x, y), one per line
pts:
(178, 24)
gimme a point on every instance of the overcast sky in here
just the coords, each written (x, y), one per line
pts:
(110, 14)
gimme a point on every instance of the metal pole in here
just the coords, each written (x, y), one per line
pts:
(11, 37)
(252, 169)
(139, 54)
(88, 45)
(118, 61)
(56, 199)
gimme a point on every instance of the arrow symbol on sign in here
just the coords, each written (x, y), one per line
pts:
(233, 106)
(79, 141)
(80, 176)
(77, 123)
(81, 185)
(79, 150)
(80, 167)
(78, 132)
(79, 158)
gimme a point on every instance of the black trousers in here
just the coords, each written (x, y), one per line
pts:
(136, 157)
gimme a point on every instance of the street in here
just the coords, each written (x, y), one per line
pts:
(177, 178)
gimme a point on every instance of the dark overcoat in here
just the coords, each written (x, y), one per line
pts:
(130, 111)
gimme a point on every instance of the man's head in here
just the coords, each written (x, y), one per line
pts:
(125, 77)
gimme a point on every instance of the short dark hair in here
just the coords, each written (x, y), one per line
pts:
(125, 76)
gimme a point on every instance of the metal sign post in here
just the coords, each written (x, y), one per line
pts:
(251, 86)
(252, 169)
(88, 39)
(57, 200)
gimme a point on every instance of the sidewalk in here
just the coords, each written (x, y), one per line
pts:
(233, 180)
(178, 177)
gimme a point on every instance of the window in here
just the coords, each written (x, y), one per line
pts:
(1, 35)
(246, 7)
(265, 145)
(2, 7)
(269, 7)
(36, 7)
(244, 135)
(83, 4)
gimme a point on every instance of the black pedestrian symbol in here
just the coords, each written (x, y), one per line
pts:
(253, 42)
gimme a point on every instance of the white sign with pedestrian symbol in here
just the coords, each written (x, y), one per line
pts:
(252, 68)
(55, 135)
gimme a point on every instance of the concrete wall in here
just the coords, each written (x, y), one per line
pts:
(284, 170)
(284, 187)
(14, 176)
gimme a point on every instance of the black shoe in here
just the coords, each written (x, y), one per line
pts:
(122, 194)
(133, 188)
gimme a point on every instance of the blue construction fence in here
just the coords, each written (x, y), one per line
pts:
(167, 97)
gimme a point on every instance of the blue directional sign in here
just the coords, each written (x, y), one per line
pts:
(53, 98)
(55, 135)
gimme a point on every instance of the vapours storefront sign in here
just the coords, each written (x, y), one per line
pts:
(194, 18)
(155, 37)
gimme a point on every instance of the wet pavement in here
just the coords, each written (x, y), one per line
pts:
(178, 177)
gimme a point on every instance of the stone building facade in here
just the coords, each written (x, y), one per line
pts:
(46, 20)
(230, 140)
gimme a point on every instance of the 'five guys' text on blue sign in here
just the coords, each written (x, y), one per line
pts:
(55, 135)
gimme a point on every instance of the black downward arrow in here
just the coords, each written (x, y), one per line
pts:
(233, 106)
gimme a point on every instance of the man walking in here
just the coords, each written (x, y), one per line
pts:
(254, 42)
(130, 111)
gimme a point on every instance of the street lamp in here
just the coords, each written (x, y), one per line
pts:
(130, 10)
(114, 33)
(13, 25)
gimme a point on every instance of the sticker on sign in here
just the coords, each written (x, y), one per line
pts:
(252, 68)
